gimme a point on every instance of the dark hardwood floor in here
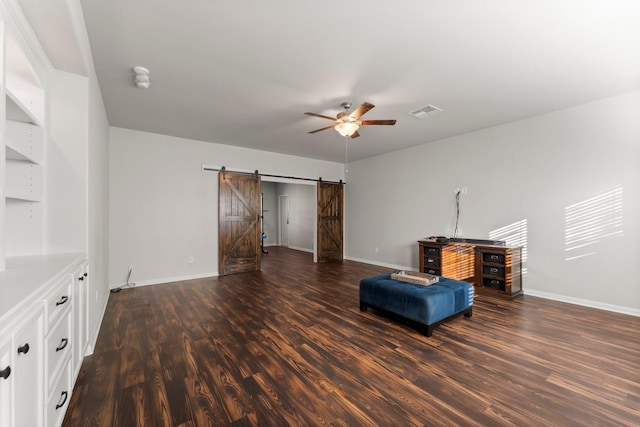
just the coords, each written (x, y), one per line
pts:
(289, 346)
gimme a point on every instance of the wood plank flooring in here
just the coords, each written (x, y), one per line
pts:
(289, 346)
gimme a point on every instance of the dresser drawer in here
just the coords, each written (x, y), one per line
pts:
(493, 283)
(58, 348)
(58, 301)
(59, 397)
(431, 262)
(493, 271)
(494, 258)
(431, 251)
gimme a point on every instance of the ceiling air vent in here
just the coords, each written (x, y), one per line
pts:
(423, 112)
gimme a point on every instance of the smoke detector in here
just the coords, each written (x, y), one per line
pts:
(423, 112)
(142, 77)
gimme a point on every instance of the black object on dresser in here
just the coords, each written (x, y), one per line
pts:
(493, 268)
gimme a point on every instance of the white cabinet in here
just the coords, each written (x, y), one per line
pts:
(6, 379)
(43, 227)
(38, 338)
(59, 344)
(28, 366)
(21, 357)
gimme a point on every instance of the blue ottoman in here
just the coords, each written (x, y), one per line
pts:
(428, 306)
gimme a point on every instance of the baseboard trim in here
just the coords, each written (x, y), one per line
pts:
(381, 264)
(585, 303)
(139, 283)
(300, 249)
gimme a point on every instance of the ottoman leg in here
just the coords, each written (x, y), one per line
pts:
(426, 330)
(469, 312)
(363, 306)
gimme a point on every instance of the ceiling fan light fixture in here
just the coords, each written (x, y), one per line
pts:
(347, 128)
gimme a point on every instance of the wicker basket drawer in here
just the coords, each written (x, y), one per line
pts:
(493, 271)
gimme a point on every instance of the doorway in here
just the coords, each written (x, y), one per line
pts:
(283, 220)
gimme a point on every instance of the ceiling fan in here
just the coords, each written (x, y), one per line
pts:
(348, 124)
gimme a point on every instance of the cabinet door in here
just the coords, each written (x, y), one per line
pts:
(6, 380)
(28, 354)
(80, 306)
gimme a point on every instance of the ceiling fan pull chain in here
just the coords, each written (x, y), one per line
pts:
(346, 154)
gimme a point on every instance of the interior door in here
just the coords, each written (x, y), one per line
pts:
(330, 221)
(284, 220)
(238, 222)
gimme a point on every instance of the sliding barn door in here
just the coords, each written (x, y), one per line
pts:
(330, 221)
(238, 222)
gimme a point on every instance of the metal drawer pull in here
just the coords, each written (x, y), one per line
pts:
(64, 396)
(63, 300)
(429, 259)
(495, 282)
(63, 344)
(4, 374)
(494, 270)
(23, 349)
(495, 257)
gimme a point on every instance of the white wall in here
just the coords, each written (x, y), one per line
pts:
(302, 214)
(98, 170)
(66, 169)
(164, 209)
(537, 170)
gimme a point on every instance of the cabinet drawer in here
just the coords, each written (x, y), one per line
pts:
(431, 251)
(58, 301)
(431, 262)
(493, 283)
(494, 258)
(59, 397)
(493, 271)
(434, 271)
(58, 348)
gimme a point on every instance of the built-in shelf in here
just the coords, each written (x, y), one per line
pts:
(24, 180)
(24, 141)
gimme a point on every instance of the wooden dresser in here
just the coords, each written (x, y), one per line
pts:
(493, 270)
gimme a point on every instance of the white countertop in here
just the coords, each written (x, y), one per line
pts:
(26, 277)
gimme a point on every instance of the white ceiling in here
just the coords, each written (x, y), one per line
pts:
(244, 72)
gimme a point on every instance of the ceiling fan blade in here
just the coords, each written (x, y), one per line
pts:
(378, 122)
(355, 135)
(318, 130)
(321, 116)
(363, 108)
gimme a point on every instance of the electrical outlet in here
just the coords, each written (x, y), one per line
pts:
(191, 259)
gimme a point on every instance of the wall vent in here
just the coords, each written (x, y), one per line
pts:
(423, 112)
